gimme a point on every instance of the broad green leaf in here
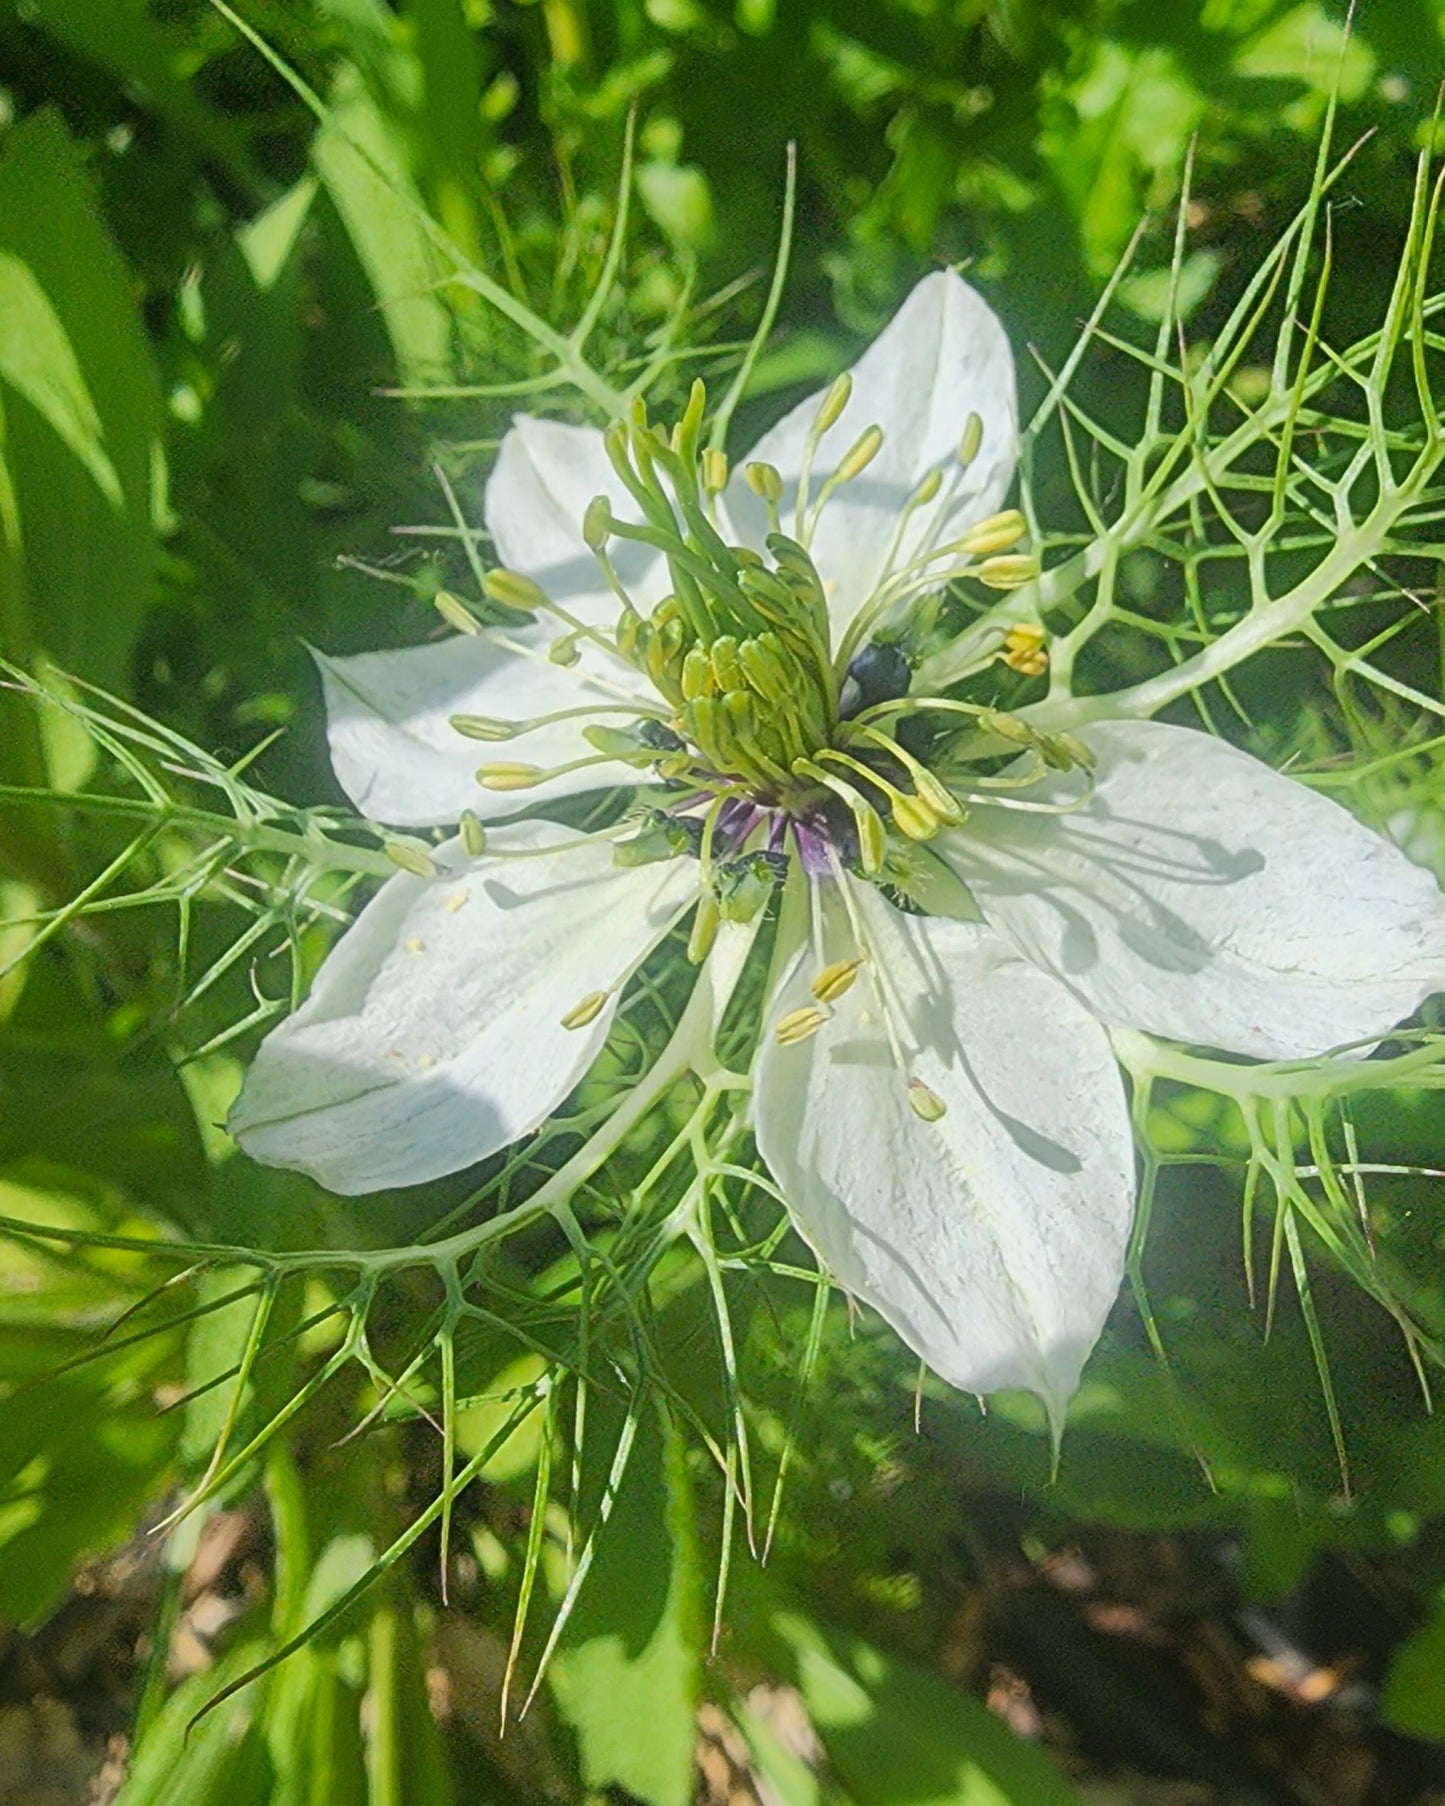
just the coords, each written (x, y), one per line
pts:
(360, 157)
(147, 61)
(83, 446)
(895, 1731)
(626, 1675)
(76, 1469)
(222, 1758)
(36, 356)
(1414, 1699)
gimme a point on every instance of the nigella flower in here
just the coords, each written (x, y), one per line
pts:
(965, 905)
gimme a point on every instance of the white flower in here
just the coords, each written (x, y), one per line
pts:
(968, 906)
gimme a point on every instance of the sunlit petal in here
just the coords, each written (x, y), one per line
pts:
(434, 1032)
(942, 358)
(992, 1238)
(1202, 896)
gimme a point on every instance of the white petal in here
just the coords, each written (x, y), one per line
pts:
(396, 755)
(992, 1240)
(1204, 897)
(432, 1035)
(942, 357)
(546, 473)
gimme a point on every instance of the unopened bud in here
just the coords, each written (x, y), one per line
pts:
(864, 449)
(513, 590)
(834, 403)
(714, 470)
(1010, 571)
(834, 980)
(483, 727)
(995, 533)
(588, 1010)
(455, 612)
(564, 651)
(597, 523)
(971, 440)
(926, 1104)
(473, 834)
(797, 1025)
(765, 481)
(412, 858)
(506, 776)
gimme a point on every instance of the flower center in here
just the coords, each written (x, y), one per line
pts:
(771, 738)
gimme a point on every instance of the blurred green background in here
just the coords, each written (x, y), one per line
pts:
(227, 367)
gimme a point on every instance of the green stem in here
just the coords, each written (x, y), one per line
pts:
(250, 837)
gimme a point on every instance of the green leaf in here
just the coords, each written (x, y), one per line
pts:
(147, 61)
(360, 156)
(1414, 1697)
(36, 356)
(894, 1730)
(626, 1675)
(83, 446)
(76, 1469)
(177, 1765)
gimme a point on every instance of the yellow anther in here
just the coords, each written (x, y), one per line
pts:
(514, 590)
(926, 1104)
(1007, 727)
(797, 1025)
(872, 843)
(764, 481)
(697, 675)
(597, 523)
(714, 471)
(929, 487)
(864, 449)
(725, 667)
(1009, 571)
(834, 980)
(1081, 753)
(971, 440)
(474, 835)
(834, 403)
(455, 612)
(588, 1010)
(939, 798)
(704, 929)
(913, 817)
(411, 859)
(994, 533)
(504, 776)
(1023, 650)
(482, 727)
